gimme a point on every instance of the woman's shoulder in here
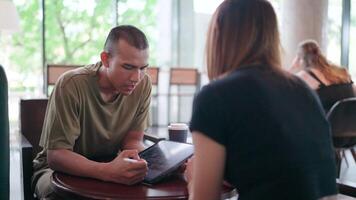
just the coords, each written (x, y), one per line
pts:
(308, 78)
(237, 79)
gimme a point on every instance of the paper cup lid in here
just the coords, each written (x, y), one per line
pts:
(178, 126)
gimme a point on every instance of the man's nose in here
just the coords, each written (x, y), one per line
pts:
(136, 75)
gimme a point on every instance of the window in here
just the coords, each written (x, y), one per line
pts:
(144, 15)
(334, 31)
(21, 57)
(21, 53)
(352, 55)
(76, 31)
(202, 15)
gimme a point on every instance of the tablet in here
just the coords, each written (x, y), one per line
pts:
(163, 158)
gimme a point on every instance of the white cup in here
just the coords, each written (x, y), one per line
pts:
(178, 132)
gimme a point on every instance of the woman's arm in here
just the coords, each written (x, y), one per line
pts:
(207, 169)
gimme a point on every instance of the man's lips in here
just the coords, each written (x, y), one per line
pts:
(130, 87)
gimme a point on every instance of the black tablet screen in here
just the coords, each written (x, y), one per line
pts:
(164, 157)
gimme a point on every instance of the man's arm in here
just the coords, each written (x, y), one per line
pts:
(133, 140)
(77, 165)
(120, 170)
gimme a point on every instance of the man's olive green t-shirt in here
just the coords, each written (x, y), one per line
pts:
(78, 119)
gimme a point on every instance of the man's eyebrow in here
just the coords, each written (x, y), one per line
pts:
(134, 66)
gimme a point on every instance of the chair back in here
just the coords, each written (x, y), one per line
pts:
(183, 83)
(184, 76)
(342, 119)
(331, 94)
(54, 71)
(153, 72)
(4, 137)
(32, 114)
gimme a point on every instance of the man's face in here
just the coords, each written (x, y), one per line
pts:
(126, 67)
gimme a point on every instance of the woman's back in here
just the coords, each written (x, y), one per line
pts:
(277, 140)
(265, 132)
(329, 92)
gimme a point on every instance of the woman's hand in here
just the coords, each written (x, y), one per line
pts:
(296, 66)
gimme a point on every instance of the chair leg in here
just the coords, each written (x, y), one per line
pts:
(344, 156)
(338, 159)
(353, 152)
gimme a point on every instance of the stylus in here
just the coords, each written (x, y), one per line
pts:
(130, 160)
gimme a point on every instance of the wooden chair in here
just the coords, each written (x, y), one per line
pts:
(182, 77)
(153, 72)
(32, 113)
(54, 71)
(4, 137)
(342, 119)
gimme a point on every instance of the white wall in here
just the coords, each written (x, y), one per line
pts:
(302, 19)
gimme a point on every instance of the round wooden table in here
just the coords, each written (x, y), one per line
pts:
(73, 187)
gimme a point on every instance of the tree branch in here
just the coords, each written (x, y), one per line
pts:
(68, 55)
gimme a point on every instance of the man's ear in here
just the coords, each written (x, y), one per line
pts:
(104, 56)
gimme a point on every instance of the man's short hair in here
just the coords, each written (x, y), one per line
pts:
(130, 34)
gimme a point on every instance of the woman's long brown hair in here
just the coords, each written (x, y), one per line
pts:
(242, 32)
(311, 54)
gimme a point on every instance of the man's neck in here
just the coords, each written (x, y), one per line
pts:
(107, 92)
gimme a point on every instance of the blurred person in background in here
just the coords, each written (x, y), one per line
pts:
(331, 82)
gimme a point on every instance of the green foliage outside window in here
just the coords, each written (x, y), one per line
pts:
(76, 30)
(143, 14)
(26, 46)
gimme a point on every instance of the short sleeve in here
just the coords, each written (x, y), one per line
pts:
(208, 115)
(141, 120)
(61, 127)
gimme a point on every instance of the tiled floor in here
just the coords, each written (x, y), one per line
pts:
(348, 170)
(347, 173)
(15, 170)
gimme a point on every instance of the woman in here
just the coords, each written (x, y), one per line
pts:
(332, 83)
(261, 129)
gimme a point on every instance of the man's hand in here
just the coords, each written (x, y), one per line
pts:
(188, 173)
(126, 168)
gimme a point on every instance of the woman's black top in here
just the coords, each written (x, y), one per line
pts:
(330, 94)
(277, 140)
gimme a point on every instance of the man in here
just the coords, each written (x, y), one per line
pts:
(98, 111)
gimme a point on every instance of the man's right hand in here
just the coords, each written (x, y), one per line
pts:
(127, 168)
